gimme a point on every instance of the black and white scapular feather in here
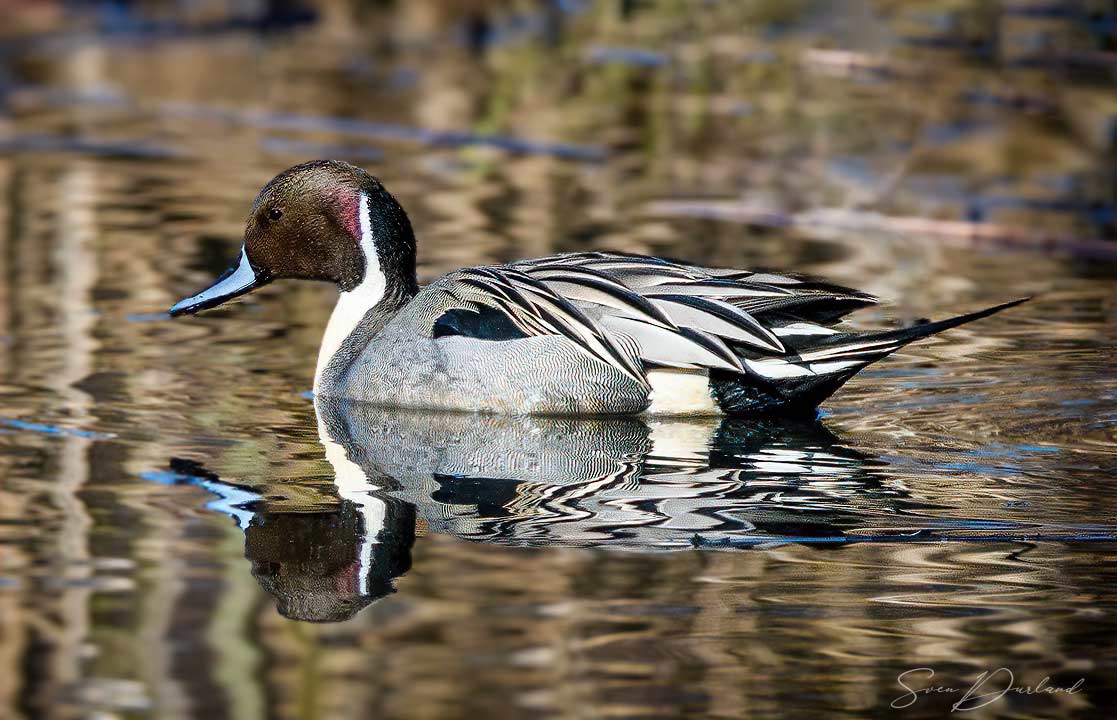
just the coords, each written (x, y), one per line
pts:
(766, 341)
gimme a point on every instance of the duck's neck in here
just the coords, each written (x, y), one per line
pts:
(359, 315)
(387, 284)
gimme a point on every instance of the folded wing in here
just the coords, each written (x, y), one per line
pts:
(686, 316)
(766, 340)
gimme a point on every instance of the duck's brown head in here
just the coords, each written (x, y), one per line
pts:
(322, 220)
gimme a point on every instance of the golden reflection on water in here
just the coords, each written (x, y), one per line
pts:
(165, 487)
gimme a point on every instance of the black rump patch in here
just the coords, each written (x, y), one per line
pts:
(738, 394)
(483, 324)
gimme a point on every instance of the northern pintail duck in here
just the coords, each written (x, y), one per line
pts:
(580, 333)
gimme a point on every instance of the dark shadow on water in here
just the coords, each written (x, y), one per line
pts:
(621, 483)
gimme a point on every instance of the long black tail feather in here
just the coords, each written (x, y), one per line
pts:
(907, 335)
(800, 382)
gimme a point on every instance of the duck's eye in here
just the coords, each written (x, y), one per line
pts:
(274, 214)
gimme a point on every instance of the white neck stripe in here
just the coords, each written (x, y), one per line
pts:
(354, 304)
(368, 246)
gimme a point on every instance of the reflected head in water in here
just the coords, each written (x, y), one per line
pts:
(326, 566)
(321, 563)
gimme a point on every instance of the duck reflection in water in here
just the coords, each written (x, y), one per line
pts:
(535, 481)
(323, 563)
(326, 566)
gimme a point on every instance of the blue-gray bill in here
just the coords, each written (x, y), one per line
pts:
(234, 282)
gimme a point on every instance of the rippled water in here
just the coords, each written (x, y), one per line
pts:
(168, 486)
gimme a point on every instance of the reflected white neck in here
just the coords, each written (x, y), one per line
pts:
(353, 304)
(353, 485)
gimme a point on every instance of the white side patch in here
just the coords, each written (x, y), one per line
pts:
(800, 329)
(777, 369)
(878, 346)
(681, 392)
(834, 366)
(351, 306)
